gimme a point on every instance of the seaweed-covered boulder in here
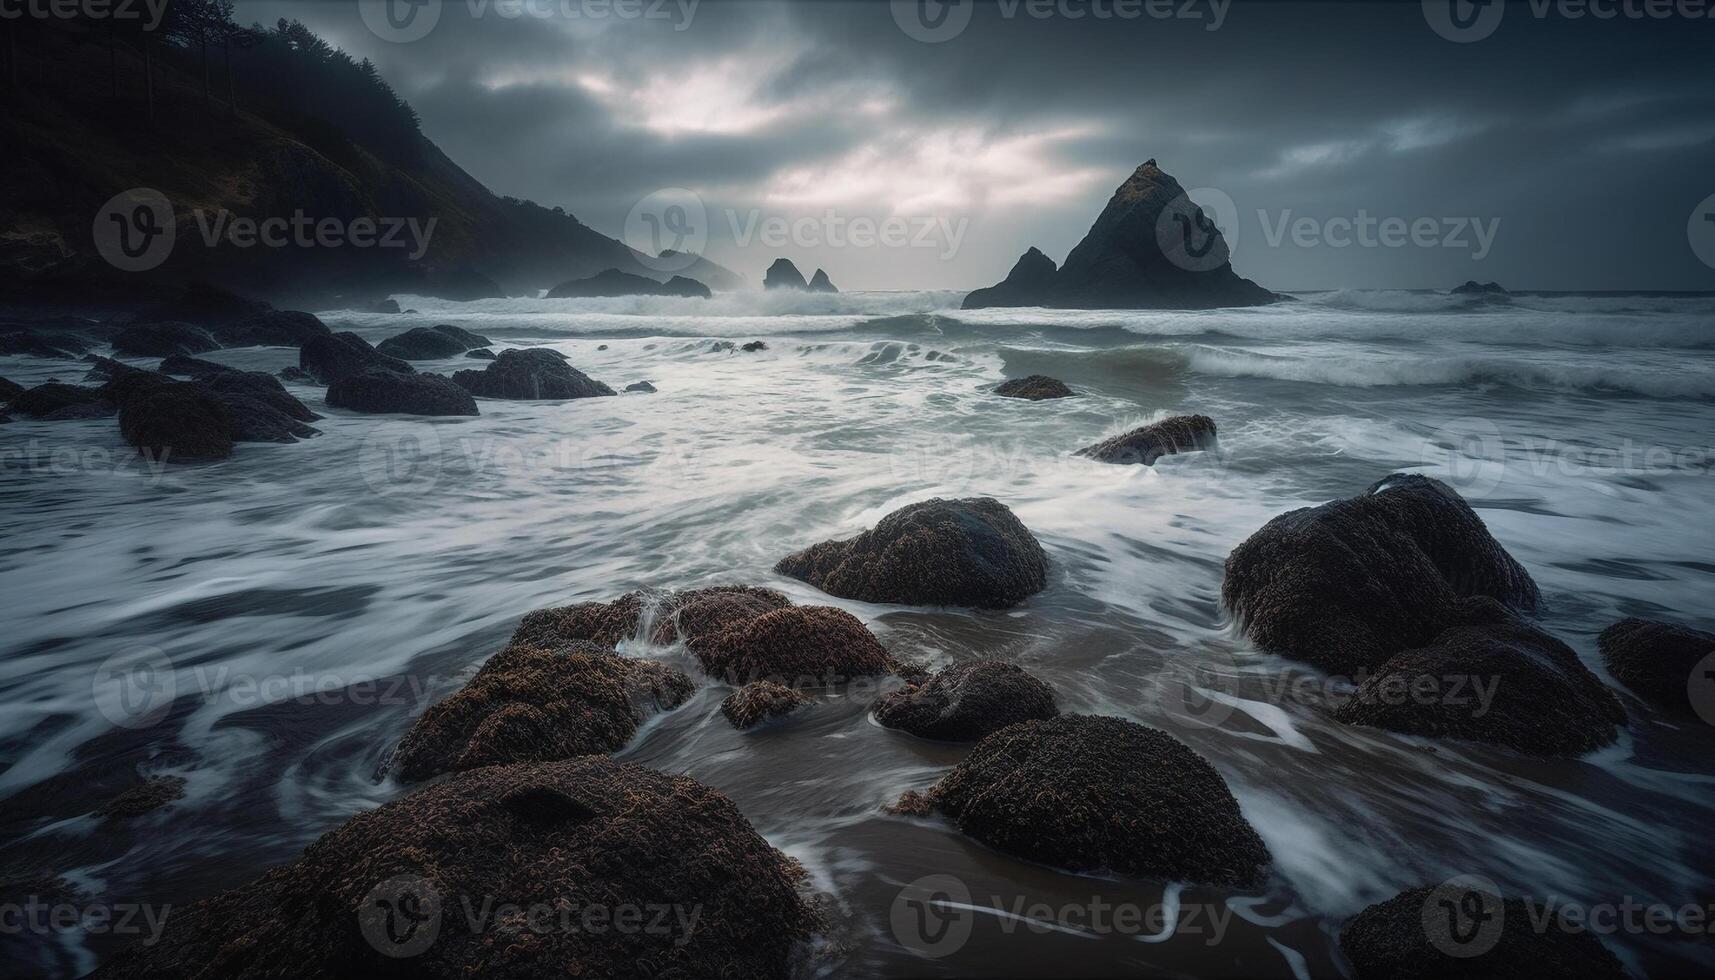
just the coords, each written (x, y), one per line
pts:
(1035, 387)
(490, 872)
(527, 704)
(185, 366)
(1104, 796)
(1146, 444)
(45, 399)
(700, 612)
(163, 340)
(407, 394)
(1455, 930)
(967, 701)
(341, 355)
(431, 343)
(604, 624)
(753, 704)
(1347, 584)
(175, 422)
(795, 645)
(1659, 662)
(659, 617)
(530, 374)
(970, 552)
(145, 797)
(1491, 678)
(270, 328)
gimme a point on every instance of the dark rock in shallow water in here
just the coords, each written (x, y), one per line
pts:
(190, 367)
(341, 355)
(1104, 796)
(1659, 662)
(1036, 387)
(967, 701)
(256, 407)
(52, 345)
(753, 704)
(274, 328)
(406, 394)
(1492, 678)
(664, 616)
(612, 282)
(528, 704)
(642, 386)
(1474, 288)
(783, 275)
(480, 354)
(1346, 585)
(163, 340)
(175, 422)
(152, 794)
(970, 552)
(1146, 444)
(1152, 247)
(9, 390)
(530, 374)
(105, 369)
(754, 346)
(561, 837)
(795, 645)
(1431, 932)
(422, 344)
(296, 374)
(463, 336)
(820, 283)
(701, 612)
(46, 399)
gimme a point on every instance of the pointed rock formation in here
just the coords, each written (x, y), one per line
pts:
(784, 275)
(1151, 248)
(820, 283)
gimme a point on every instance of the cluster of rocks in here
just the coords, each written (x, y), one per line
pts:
(613, 282)
(784, 275)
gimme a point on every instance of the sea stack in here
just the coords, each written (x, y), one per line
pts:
(820, 283)
(1151, 248)
(784, 275)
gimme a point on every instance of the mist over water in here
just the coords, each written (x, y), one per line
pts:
(392, 555)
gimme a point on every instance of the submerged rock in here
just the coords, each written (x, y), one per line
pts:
(163, 340)
(1659, 662)
(1438, 931)
(794, 645)
(273, 328)
(755, 703)
(613, 282)
(641, 386)
(149, 795)
(754, 346)
(820, 283)
(967, 701)
(388, 891)
(1492, 678)
(1146, 444)
(530, 374)
(1102, 796)
(341, 355)
(528, 704)
(376, 392)
(783, 275)
(1035, 388)
(970, 552)
(1346, 585)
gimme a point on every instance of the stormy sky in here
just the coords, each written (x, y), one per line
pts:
(1352, 145)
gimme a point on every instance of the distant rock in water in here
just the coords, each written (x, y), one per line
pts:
(466, 337)
(1034, 388)
(273, 328)
(967, 701)
(970, 552)
(1152, 247)
(641, 386)
(754, 346)
(1413, 936)
(389, 305)
(1104, 796)
(530, 374)
(1146, 444)
(613, 282)
(820, 283)
(783, 275)
(397, 890)
(1660, 663)
(762, 701)
(163, 340)
(1473, 288)
(341, 355)
(461, 285)
(425, 344)
(377, 392)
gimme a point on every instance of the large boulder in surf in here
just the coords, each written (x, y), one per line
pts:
(1152, 247)
(490, 872)
(341, 355)
(969, 552)
(271, 328)
(820, 283)
(1346, 585)
(527, 704)
(967, 701)
(176, 422)
(797, 645)
(1035, 387)
(759, 702)
(1491, 678)
(697, 613)
(258, 407)
(163, 340)
(423, 344)
(377, 392)
(783, 275)
(1460, 929)
(1104, 796)
(530, 374)
(1662, 663)
(1146, 444)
